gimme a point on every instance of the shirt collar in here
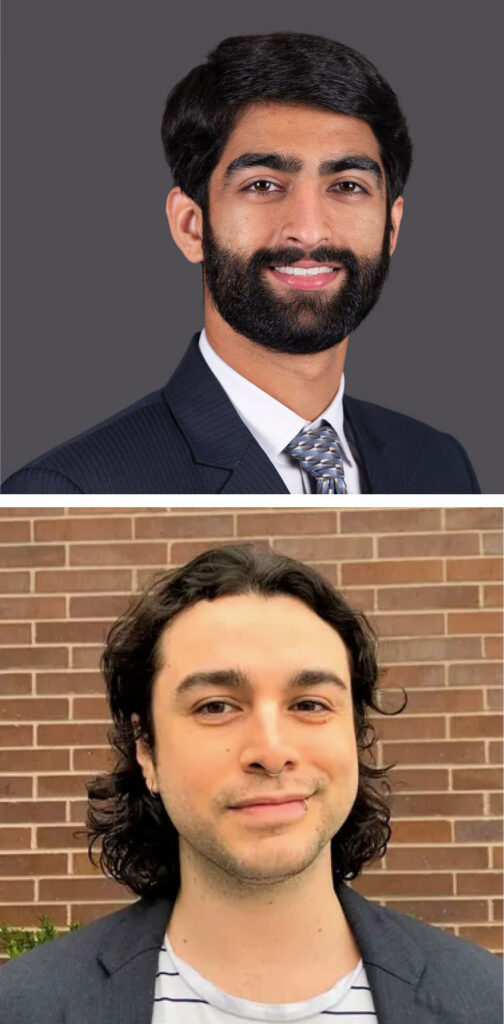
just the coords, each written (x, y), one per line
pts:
(272, 424)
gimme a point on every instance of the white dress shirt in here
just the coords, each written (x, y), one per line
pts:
(274, 425)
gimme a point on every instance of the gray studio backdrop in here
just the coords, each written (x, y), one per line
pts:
(98, 303)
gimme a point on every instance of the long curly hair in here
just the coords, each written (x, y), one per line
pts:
(139, 841)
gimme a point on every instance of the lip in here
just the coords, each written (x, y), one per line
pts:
(282, 798)
(312, 283)
(290, 810)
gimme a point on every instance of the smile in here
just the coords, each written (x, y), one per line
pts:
(305, 278)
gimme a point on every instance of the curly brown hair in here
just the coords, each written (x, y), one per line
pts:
(139, 841)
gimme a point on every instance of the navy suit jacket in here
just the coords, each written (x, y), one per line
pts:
(187, 438)
(105, 973)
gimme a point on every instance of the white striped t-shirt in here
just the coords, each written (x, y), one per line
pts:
(183, 996)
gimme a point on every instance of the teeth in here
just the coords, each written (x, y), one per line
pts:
(304, 271)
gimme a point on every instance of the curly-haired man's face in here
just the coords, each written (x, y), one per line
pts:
(250, 685)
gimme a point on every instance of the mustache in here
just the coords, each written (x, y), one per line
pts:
(325, 255)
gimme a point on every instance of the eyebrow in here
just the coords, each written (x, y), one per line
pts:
(235, 680)
(289, 164)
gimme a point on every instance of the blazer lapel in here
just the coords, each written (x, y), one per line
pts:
(394, 964)
(129, 955)
(387, 468)
(216, 435)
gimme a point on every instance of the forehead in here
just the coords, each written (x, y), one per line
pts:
(278, 633)
(307, 132)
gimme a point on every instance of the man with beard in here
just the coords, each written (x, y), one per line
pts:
(289, 154)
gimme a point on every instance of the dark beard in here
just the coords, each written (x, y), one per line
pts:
(304, 322)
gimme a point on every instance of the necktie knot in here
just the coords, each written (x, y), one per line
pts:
(319, 451)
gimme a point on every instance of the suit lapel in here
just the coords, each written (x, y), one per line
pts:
(388, 470)
(216, 435)
(394, 963)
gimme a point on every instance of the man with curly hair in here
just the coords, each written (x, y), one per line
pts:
(242, 800)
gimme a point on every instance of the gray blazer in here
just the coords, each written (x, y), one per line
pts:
(105, 973)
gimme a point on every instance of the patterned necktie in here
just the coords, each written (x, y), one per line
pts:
(319, 451)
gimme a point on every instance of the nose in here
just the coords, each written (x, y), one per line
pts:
(268, 744)
(306, 218)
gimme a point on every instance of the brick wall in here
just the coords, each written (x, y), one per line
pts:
(430, 581)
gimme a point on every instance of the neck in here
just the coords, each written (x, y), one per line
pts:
(220, 918)
(304, 383)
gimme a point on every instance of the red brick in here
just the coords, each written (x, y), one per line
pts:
(473, 518)
(32, 607)
(91, 709)
(496, 804)
(427, 780)
(84, 581)
(494, 700)
(478, 831)
(409, 598)
(32, 811)
(62, 785)
(31, 513)
(390, 520)
(80, 889)
(170, 527)
(429, 831)
(475, 675)
(449, 805)
(34, 760)
(448, 752)
(71, 632)
(78, 810)
(380, 885)
(15, 838)
(408, 625)
(21, 891)
(10, 786)
(31, 710)
(446, 700)
(475, 622)
(94, 759)
(493, 647)
(15, 683)
(33, 864)
(12, 531)
(474, 569)
(274, 524)
(413, 675)
(495, 752)
(382, 571)
(362, 599)
(89, 912)
(16, 735)
(430, 649)
(476, 725)
(440, 911)
(101, 606)
(117, 554)
(486, 936)
(443, 858)
(15, 633)
(497, 857)
(28, 915)
(69, 682)
(476, 778)
(32, 555)
(183, 551)
(81, 864)
(14, 582)
(86, 657)
(74, 734)
(493, 595)
(324, 548)
(428, 545)
(492, 543)
(83, 529)
(413, 727)
(33, 657)
(59, 837)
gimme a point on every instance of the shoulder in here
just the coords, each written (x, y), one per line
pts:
(105, 456)
(437, 454)
(37, 985)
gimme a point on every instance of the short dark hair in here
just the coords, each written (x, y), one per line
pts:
(286, 67)
(139, 841)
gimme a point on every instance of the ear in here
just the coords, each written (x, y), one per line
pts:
(186, 224)
(144, 757)
(396, 213)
